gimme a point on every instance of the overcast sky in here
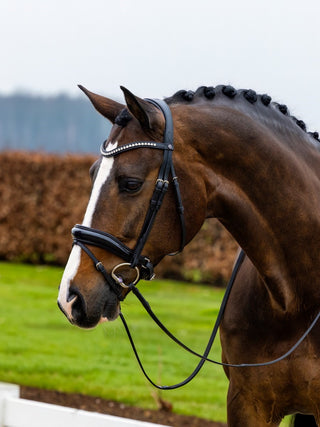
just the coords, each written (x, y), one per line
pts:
(158, 47)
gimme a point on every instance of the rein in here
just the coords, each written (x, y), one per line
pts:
(133, 258)
(204, 356)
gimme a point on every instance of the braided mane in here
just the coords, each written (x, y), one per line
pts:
(210, 92)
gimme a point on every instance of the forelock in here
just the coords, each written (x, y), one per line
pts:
(123, 118)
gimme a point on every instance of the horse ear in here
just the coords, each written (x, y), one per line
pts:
(142, 110)
(108, 108)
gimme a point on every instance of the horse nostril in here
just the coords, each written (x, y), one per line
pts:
(67, 305)
(79, 309)
(71, 296)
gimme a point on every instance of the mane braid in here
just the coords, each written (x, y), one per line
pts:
(250, 96)
(209, 92)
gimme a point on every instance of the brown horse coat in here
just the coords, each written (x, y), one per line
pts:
(247, 162)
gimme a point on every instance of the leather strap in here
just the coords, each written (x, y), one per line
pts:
(90, 236)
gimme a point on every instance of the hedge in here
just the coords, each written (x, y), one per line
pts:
(43, 195)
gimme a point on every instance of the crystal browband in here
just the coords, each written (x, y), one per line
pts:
(132, 146)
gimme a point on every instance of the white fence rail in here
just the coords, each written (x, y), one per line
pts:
(16, 412)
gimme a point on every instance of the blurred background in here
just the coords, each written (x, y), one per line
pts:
(154, 49)
(50, 135)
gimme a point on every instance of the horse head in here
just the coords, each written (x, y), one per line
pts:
(124, 182)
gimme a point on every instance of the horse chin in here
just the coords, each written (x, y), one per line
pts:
(91, 323)
(110, 313)
(106, 319)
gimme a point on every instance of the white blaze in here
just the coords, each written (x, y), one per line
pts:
(73, 263)
(102, 176)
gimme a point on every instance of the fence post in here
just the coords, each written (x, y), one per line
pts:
(6, 390)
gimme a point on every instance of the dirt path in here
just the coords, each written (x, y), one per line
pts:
(89, 403)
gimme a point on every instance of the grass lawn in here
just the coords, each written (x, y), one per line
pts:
(38, 347)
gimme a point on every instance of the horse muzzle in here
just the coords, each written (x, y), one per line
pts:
(101, 305)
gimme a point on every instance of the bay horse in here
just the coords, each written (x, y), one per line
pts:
(243, 159)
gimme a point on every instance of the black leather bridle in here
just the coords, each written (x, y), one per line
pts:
(133, 258)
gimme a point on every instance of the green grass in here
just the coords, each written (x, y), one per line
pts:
(38, 347)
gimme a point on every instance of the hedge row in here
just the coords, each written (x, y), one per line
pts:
(42, 196)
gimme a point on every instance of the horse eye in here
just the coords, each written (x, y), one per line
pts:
(129, 185)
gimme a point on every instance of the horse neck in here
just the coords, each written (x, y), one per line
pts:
(266, 192)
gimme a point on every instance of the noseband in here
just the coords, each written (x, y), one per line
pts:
(133, 258)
